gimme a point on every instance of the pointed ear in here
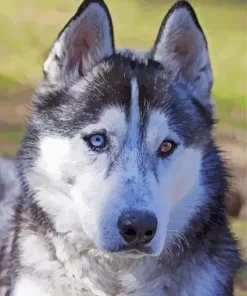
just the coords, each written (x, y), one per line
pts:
(181, 47)
(85, 40)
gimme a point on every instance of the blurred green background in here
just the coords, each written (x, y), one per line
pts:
(28, 27)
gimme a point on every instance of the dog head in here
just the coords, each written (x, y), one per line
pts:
(116, 138)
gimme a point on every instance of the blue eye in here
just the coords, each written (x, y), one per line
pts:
(97, 141)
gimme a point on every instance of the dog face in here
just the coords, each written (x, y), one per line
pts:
(118, 137)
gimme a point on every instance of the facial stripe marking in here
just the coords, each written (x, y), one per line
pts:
(133, 131)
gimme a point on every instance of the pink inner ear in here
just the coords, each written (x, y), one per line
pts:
(82, 40)
(185, 45)
(185, 48)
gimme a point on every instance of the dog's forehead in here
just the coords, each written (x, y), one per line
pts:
(122, 82)
(109, 86)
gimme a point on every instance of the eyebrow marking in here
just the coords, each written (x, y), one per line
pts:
(133, 129)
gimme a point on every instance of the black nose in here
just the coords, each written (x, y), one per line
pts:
(137, 227)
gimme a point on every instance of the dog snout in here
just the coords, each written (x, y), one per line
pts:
(137, 227)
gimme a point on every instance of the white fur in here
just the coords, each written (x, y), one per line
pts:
(134, 115)
(26, 286)
(188, 195)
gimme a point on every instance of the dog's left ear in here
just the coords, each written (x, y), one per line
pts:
(85, 40)
(181, 47)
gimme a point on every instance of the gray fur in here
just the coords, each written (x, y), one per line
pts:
(10, 191)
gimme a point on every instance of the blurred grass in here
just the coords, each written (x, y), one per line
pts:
(239, 227)
(12, 137)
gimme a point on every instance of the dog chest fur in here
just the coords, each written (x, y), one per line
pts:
(73, 273)
(66, 269)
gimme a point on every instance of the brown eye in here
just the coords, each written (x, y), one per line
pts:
(166, 148)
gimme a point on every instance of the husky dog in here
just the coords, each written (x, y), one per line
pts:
(123, 186)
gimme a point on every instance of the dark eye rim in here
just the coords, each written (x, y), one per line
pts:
(87, 138)
(166, 154)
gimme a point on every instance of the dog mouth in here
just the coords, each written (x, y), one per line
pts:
(132, 251)
(132, 254)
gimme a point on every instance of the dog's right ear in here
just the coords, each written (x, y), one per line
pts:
(85, 40)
